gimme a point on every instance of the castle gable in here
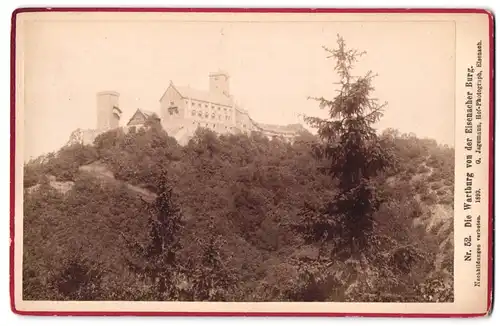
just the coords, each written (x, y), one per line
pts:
(169, 89)
(140, 117)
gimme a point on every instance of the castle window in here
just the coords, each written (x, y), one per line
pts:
(206, 115)
(214, 125)
(218, 108)
(206, 105)
(199, 104)
(213, 115)
(199, 114)
(212, 106)
(193, 113)
(173, 110)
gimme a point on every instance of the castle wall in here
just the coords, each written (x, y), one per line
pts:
(84, 137)
(182, 111)
(219, 83)
(107, 116)
(243, 122)
(172, 109)
(217, 117)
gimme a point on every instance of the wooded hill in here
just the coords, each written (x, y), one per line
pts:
(347, 215)
(239, 198)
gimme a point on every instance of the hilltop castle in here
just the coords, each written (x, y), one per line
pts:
(183, 110)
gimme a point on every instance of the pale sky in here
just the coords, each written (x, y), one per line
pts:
(274, 67)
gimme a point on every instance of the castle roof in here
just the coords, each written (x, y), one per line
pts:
(145, 113)
(219, 72)
(204, 96)
(291, 128)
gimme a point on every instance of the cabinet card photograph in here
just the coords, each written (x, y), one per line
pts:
(252, 162)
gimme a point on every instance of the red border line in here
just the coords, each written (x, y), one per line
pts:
(491, 190)
(12, 154)
(241, 314)
(250, 10)
(260, 10)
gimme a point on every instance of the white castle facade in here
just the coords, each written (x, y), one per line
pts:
(183, 110)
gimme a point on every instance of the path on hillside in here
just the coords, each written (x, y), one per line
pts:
(100, 171)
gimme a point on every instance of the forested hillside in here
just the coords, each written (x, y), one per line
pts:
(238, 199)
(345, 215)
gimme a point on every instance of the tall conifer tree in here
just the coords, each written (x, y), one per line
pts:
(355, 154)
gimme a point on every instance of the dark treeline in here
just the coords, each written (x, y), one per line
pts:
(347, 215)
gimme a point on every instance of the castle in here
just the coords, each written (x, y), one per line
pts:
(183, 110)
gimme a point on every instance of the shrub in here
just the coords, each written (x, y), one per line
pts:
(433, 162)
(435, 185)
(433, 177)
(441, 192)
(423, 169)
(411, 170)
(429, 198)
(64, 165)
(448, 200)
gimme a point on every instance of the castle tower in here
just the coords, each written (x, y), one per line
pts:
(108, 111)
(219, 83)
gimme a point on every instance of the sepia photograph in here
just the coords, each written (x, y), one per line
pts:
(246, 158)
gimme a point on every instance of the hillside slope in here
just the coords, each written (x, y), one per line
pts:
(88, 208)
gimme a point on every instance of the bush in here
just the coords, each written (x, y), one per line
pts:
(447, 200)
(423, 169)
(441, 192)
(66, 162)
(433, 162)
(411, 170)
(434, 177)
(430, 198)
(435, 185)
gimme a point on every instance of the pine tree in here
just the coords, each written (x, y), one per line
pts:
(355, 154)
(158, 261)
(211, 278)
